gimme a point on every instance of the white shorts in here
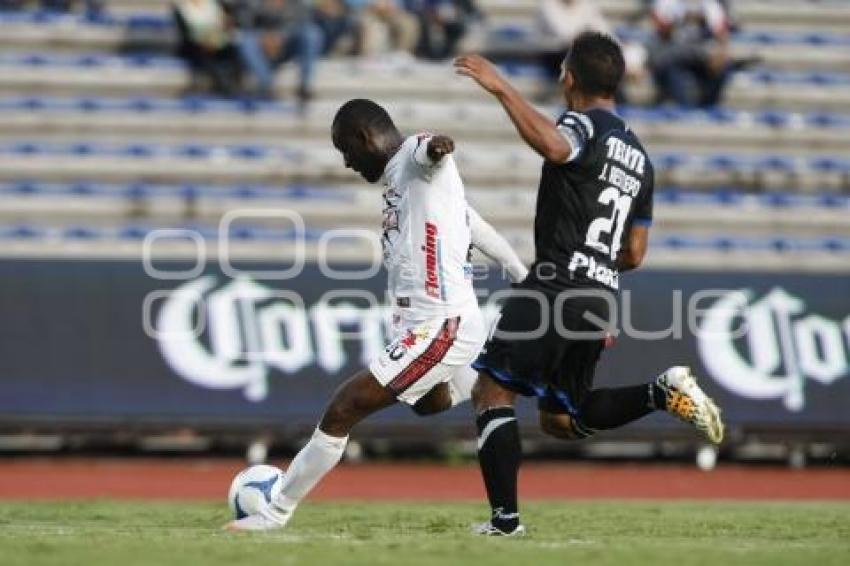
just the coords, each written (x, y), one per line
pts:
(427, 354)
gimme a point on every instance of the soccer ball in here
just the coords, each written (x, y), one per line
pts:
(253, 489)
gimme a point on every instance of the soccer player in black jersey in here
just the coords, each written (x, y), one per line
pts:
(594, 210)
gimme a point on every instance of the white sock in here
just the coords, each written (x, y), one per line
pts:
(460, 386)
(310, 465)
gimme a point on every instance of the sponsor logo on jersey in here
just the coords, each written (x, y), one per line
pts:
(783, 346)
(594, 270)
(630, 157)
(432, 266)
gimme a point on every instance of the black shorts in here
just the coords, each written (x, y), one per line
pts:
(557, 362)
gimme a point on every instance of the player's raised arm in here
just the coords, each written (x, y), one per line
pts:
(494, 246)
(536, 129)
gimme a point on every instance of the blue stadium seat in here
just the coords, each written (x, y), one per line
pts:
(667, 160)
(761, 37)
(828, 164)
(194, 105)
(776, 163)
(669, 195)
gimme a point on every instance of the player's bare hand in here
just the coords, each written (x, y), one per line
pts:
(481, 71)
(439, 147)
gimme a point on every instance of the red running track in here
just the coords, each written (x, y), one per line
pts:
(49, 478)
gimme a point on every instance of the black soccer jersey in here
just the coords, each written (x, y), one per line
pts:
(586, 206)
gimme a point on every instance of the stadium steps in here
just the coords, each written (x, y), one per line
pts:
(826, 50)
(677, 211)
(807, 13)
(817, 254)
(269, 123)
(71, 32)
(483, 164)
(97, 75)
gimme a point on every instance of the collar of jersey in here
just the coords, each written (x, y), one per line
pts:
(394, 162)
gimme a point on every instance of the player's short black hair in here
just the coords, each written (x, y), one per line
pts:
(361, 113)
(597, 63)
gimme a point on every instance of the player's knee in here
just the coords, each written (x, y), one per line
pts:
(425, 407)
(563, 427)
(477, 393)
(338, 417)
(486, 394)
(556, 427)
(436, 401)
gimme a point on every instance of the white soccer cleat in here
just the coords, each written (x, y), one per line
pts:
(488, 530)
(687, 402)
(269, 519)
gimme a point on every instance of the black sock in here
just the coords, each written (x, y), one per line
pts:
(612, 408)
(499, 454)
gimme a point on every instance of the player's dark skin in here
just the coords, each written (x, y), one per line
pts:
(541, 134)
(367, 151)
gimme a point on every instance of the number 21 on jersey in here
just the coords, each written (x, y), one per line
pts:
(609, 228)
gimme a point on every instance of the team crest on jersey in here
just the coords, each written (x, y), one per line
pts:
(399, 348)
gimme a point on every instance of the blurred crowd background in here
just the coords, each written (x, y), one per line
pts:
(234, 47)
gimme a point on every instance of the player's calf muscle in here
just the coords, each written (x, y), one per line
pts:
(355, 400)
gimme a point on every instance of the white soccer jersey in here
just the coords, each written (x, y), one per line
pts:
(426, 235)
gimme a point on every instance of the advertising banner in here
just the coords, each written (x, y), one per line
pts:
(102, 341)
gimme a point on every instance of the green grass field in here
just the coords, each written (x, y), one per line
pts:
(596, 534)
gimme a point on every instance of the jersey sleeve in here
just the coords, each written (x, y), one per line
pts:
(420, 153)
(643, 206)
(487, 240)
(577, 128)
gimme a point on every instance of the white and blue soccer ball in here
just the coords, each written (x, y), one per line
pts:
(253, 489)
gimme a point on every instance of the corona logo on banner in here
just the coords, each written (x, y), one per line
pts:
(250, 328)
(780, 348)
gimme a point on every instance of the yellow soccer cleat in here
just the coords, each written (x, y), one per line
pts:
(687, 402)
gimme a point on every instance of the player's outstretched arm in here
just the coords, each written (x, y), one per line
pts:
(494, 246)
(536, 129)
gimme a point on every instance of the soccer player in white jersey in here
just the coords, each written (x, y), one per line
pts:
(438, 329)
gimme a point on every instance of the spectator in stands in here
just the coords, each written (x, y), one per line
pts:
(206, 42)
(559, 22)
(442, 25)
(339, 24)
(385, 26)
(272, 32)
(689, 53)
(563, 20)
